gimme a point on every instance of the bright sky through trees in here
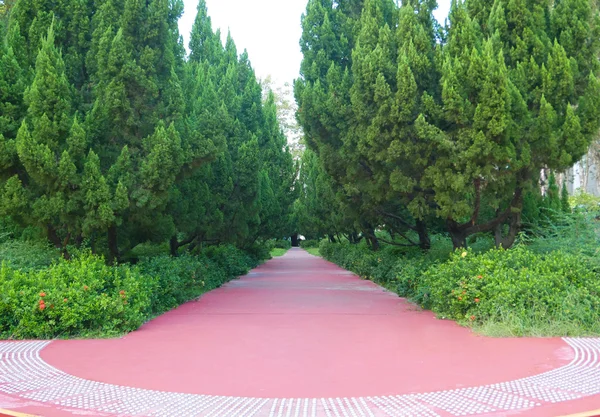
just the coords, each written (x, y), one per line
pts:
(269, 29)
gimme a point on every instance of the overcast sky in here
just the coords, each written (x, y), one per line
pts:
(268, 29)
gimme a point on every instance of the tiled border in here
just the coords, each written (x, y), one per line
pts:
(25, 375)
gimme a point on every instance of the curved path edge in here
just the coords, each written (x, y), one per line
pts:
(25, 375)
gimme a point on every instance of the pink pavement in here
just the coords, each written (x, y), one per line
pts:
(299, 326)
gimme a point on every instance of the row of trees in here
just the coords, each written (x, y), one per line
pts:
(412, 125)
(110, 135)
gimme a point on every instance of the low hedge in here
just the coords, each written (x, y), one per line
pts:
(500, 292)
(309, 243)
(86, 297)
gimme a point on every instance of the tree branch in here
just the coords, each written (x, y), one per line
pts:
(396, 217)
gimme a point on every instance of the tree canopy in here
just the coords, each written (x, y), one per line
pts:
(110, 135)
(418, 125)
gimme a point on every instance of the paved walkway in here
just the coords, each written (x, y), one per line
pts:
(299, 336)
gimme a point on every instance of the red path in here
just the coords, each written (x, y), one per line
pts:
(299, 326)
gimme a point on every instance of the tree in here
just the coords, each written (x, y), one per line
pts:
(514, 101)
(136, 119)
(565, 206)
(99, 139)
(286, 113)
(48, 145)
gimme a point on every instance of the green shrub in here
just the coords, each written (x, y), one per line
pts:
(537, 289)
(25, 255)
(506, 293)
(310, 243)
(395, 268)
(281, 244)
(82, 296)
(149, 249)
(86, 297)
(233, 261)
(584, 202)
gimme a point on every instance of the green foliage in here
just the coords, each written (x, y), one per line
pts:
(409, 125)
(86, 297)
(99, 143)
(537, 288)
(565, 206)
(576, 233)
(233, 261)
(309, 243)
(280, 243)
(523, 291)
(27, 256)
(314, 251)
(583, 202)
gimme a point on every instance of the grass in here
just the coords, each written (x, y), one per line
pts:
(313, 251)
(275, 252)
(511, 325)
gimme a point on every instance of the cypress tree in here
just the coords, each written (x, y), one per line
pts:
(47, 145)
(565, 206)
(514, 101)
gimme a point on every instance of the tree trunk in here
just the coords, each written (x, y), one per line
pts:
(375, 243)
(424, 241)
(295, 240)
(174, 246)
(372, 239)
(59, 244)
(113, 244)
(93, 243)
(332, 238)
(458, 236)
(514, 226)
(53, 236)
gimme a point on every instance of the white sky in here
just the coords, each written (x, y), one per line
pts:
(269, 29)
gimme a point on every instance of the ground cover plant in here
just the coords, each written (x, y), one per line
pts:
(547, 285)
(85, 297)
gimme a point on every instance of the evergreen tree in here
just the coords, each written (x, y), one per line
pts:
(12, 87)
(565, 206)
(48, 146)
(514, 101)
(111, 149)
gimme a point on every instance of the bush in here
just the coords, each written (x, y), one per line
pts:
(281, 244)
(397, 269)
(584, 202)
(536, 289)
(233, 261)
(26, 256)
(519, 291)
(310, 243)
(85, 297)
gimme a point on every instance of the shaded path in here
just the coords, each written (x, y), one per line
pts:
(300, 327)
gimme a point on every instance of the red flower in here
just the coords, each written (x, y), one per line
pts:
(122, 292)
(65, 300)
(477, 300)
(459, 298)
(479, 277)
(42, 294)
(42, 305)
(85, 287)
(472, 318)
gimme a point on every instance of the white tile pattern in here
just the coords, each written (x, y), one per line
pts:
(25, 375)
